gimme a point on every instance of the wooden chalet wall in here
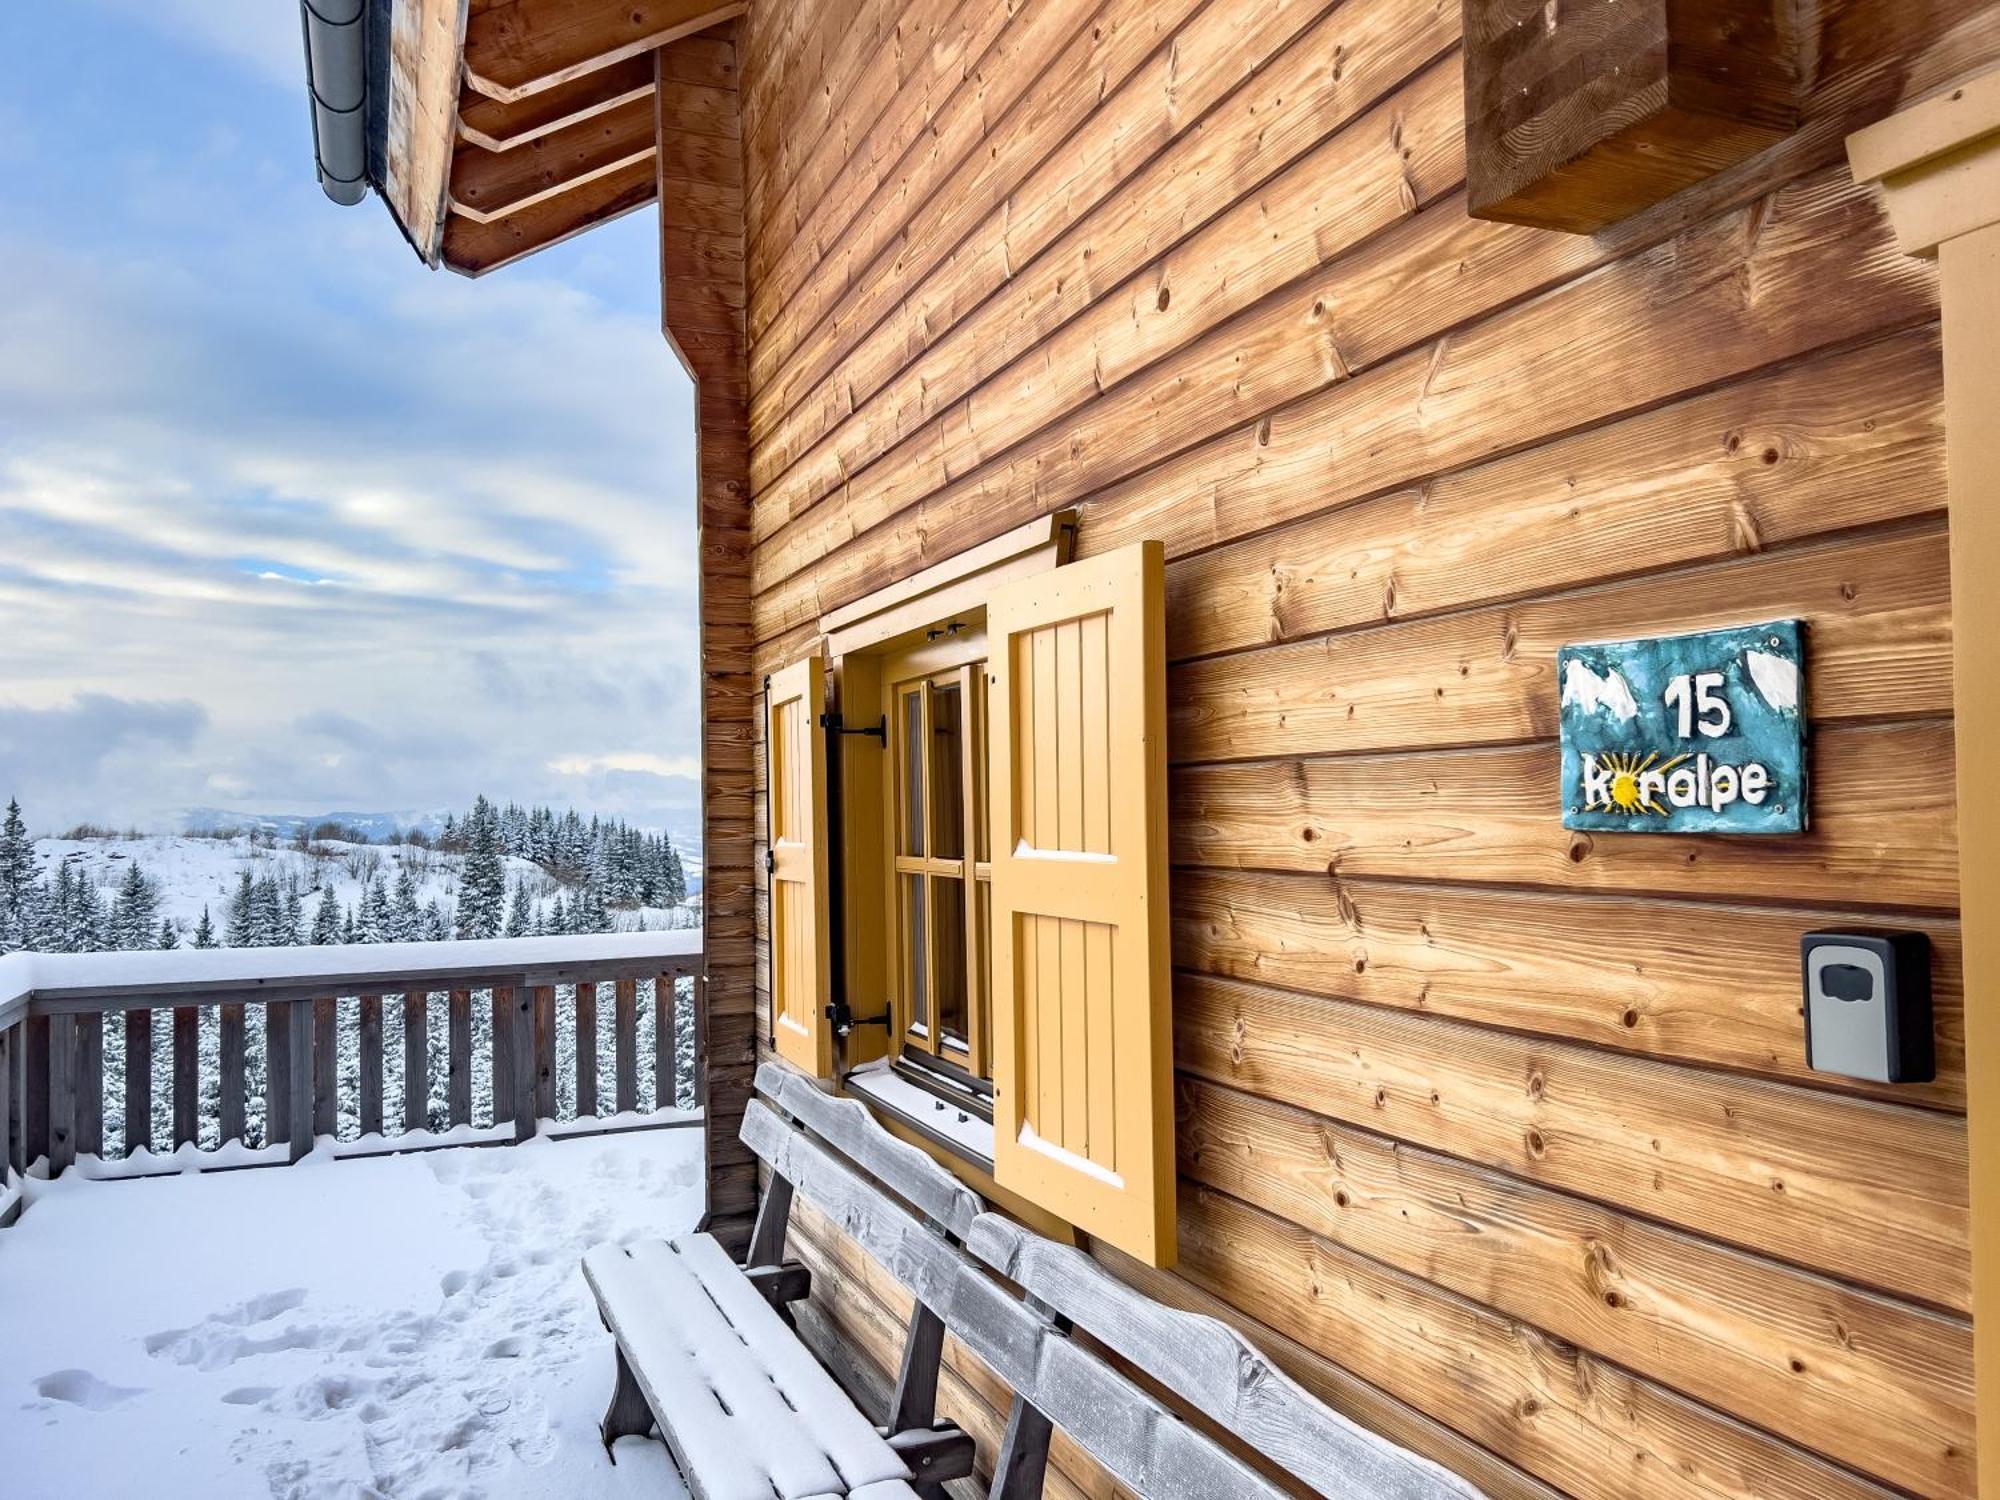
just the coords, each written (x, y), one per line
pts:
(1499, 1137)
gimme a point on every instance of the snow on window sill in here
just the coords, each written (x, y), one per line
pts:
(958, 1131)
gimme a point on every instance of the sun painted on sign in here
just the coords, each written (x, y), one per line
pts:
(1700, 733)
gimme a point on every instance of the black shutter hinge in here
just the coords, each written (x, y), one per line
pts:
(845, 1020)
(833, 724)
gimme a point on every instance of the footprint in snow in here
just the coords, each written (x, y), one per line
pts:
(81, 1388)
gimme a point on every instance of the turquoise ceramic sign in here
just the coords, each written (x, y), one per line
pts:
(1699, 733)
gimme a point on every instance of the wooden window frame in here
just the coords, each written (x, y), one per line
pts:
(955, 660)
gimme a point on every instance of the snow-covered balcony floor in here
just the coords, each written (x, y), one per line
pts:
(399, 1326)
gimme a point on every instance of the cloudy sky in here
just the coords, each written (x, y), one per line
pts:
(289, 523)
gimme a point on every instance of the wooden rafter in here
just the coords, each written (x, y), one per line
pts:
(424, 44)
(475, 248)
(487, 185)
(495, 126)
(528, 47)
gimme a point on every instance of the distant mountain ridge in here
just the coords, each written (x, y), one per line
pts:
(380, 827)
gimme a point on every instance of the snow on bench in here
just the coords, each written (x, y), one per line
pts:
(745, 1408)
(835, 1153)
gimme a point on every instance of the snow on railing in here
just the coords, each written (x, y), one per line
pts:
(273, 1052)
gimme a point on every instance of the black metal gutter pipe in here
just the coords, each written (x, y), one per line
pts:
(337, 73)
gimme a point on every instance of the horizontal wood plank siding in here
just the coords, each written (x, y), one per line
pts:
(1500, 1137)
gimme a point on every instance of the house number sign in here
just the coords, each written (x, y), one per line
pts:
(1699, 733)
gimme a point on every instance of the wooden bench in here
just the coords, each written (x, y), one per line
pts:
(706, 1350)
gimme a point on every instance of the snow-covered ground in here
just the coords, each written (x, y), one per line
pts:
(404, 1326)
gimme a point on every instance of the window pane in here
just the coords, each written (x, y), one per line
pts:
(947, 772)
(948, 922)
(913, 771)
(915, 985)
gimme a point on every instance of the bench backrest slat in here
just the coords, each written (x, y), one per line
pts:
(855, 1133)
(1133, 1436)
(1212, 1367)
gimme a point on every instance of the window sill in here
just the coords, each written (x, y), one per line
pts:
(959, 1132)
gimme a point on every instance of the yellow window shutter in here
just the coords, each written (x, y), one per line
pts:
(1082, 1066)
(795, 742)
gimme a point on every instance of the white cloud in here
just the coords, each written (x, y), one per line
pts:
(643, 761)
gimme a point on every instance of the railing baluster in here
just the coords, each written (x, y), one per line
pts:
(521, 1061)
(90, 1085)
(625, 1038)
(7, 1127)
(666, 1052)
(501, 1044)
(35, 1092)
(138, 1080)
(277, 1073)
(545, 1051)
(187, 1076)
(698, 997)
(230, 1059)
(586, 1049)
(416, 1059)
(371, 1065)
(302, 1063)
(62, 1094)
(458, 1056)
(325, 1091)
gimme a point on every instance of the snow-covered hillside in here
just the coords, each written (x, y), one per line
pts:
(193, 873)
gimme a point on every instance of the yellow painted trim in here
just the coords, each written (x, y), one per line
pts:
(1081, 980)
(801, 950)
(1939, 166)
(902, 610)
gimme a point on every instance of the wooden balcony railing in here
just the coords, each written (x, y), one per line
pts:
(296, 1039)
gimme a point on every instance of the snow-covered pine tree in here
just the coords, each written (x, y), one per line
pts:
(406, 917)
(517, 910)
(135, 912)
(293, 933)
(483, 884)
(17, 880)
(169, 936)
(326, 919)
(238, 931)
(204, 931)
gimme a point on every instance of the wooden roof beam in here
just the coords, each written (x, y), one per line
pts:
(487, 185)
(528, 47)
(473, 248)
(494, 126)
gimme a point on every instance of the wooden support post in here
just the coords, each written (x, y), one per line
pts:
(138, 1080)
(458, 1057)
(628, 1414)
(8, 1136)
(586, 1049)
(666, 1049)
(1938, 162)
(625, 1042)
(501, 1043)
(187, 1076)
(416, 1060)
(277, 1072)
(35, 1090)
(521, 1059)
(1023, 1462)
(767, 1237)
(545, 1051)
(62, 1094)
(325, 1091)
(302, 1031)
(370, 1091)
(90, 1085)
(231, 1048)
(914, 1405)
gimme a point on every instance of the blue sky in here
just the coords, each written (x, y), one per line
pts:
(287, 521)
